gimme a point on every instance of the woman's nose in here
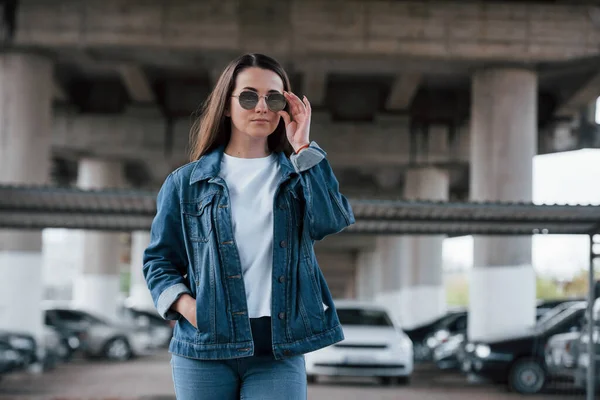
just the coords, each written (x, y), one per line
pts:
(261, 106)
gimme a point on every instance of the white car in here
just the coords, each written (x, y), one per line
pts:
(374, 346)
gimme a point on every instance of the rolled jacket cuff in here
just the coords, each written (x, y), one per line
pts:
(167, 298)
(308, 157)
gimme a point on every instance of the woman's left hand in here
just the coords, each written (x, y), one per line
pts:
(297, 126)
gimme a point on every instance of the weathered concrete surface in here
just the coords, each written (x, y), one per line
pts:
(511, 31)
(503, 144)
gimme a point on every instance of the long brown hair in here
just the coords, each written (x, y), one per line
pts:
(213, 127)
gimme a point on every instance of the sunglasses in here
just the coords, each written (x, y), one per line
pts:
(249, 99)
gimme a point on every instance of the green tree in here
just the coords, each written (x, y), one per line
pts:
(457, 290)
(547, 289)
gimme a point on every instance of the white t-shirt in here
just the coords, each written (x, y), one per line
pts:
(252, 183)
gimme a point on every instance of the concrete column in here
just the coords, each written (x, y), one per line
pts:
(25, 137)
(422, 294)
(366, 275)
(412, 281)
(139, 295)
(391, 251)
(350, 290)
(96, 288)
(503, 143)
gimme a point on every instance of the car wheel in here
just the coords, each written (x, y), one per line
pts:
(386, 380)
(49, 362)
(118, 349)
(403, 380)
(527, 377)
(64, 351)
(311, 379)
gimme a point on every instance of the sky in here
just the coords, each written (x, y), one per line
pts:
(562, 178)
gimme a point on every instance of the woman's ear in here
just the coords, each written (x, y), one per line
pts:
(227, 112)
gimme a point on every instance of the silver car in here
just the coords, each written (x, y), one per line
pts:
(102, 338)
(561, 354)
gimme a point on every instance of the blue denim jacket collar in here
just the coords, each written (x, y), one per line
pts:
(209, 165)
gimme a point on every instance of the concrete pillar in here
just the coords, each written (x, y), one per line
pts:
(390, 251)
(25, 137)
(367, 275)
(503, 143)
(139, 295)
(412, 280)
(350, 290)
(422, 294)
(96, 288)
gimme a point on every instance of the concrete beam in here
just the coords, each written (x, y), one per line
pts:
(384, 143)
(58, 92)
(346, 243)
(136, 83)
(586, 94)
(404, 89)
(314, 85)
(513, 31)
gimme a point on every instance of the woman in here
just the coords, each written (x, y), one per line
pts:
(231, 254)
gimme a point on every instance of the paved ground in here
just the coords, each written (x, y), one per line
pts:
(149, 378)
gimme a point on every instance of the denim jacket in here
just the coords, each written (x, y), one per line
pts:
(192, 250)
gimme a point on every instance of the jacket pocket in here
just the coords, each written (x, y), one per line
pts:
(205, 316)
(310, 294)
(198, 218)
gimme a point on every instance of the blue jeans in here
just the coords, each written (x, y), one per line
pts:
(257, 377)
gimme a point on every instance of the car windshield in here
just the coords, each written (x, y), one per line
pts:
(363, 317)
(553, 312)
(77, 316)
(556, 319)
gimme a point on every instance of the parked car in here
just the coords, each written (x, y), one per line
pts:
(519, 362)
(561, 355)
(550, 304)
(103, 338)
(72, 337)
(420, 334)
(11, 359)
(454, 325)
(446, 344)
(583, 356)
(56, 350)
(23, 343)
(159, 329)
(374, 346)
(448, 354)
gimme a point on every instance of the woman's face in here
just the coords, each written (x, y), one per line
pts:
(260, 121)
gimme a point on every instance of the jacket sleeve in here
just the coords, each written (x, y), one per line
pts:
(165, 258)
(328, 211)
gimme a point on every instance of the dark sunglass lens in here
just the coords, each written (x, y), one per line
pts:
(248, 100)
(276, 102)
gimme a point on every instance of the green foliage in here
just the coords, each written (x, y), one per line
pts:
(547, 289)
(457, 291)
(125, 281)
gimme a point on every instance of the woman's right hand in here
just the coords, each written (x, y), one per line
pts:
(186, 306)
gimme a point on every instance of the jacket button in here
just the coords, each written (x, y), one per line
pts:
(287, 352)
(281, 279)
(281, 315)
(283, 243)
